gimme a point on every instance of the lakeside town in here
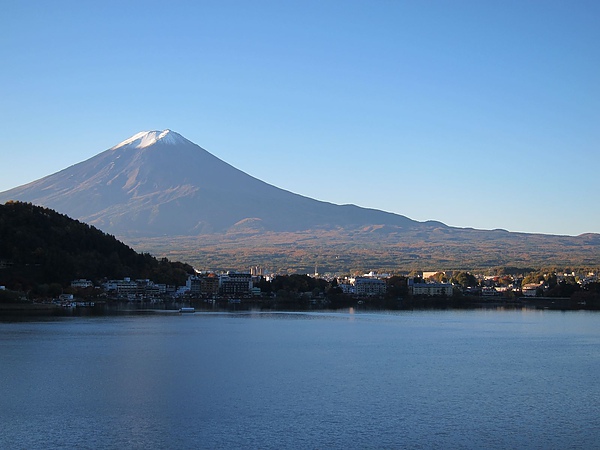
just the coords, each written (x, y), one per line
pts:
(256, 289)
(49, 259)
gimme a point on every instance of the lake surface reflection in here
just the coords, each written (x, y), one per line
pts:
(445, 379)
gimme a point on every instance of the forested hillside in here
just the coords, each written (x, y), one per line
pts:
(39, 245)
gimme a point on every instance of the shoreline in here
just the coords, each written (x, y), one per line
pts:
(25, 309)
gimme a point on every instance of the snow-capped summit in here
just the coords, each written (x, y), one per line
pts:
(145, 139)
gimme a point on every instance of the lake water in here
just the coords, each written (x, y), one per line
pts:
(441, 379)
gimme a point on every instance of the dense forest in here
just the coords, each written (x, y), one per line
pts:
(39, 245)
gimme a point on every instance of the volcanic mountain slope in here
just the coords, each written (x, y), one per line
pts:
(159, 183)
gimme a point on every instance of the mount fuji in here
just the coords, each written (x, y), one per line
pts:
(158, 183)
(159, 192)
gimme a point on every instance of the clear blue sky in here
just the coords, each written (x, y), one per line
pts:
(481, 114)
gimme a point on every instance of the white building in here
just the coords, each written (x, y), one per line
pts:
(346, 288)
(430, 289)
(369, 286)
(530, 290)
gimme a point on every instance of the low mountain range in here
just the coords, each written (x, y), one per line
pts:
(161, 193)
(40, 246)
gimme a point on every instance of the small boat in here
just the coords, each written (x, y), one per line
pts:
(187, 310)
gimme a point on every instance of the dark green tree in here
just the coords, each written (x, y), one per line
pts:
(464, 279)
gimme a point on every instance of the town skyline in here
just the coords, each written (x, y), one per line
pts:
(476, 115)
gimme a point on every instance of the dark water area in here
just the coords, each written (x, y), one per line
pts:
(411, 379)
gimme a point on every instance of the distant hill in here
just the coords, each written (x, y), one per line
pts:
(163, 194)
(373, 248)
(39, 245)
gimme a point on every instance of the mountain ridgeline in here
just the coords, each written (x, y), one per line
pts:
(39, 245)
(163, 194)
